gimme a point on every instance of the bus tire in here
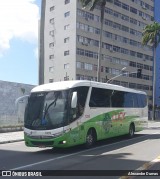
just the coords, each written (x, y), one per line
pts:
(131, 130)
(90, 138)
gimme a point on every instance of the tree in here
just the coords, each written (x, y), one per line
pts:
(151, 35)
(91, 4)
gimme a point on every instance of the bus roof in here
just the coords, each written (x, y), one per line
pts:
(63, 85)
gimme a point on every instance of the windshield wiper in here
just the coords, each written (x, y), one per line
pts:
(47, 108)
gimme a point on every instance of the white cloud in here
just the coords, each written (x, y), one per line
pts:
(18, 19)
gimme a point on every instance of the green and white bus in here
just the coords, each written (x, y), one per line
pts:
(69, 113)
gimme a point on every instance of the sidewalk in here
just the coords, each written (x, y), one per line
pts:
(9, 137)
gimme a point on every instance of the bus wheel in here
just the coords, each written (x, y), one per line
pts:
(131, 130)
(90, 138)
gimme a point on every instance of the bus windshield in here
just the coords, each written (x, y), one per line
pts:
(46, 110)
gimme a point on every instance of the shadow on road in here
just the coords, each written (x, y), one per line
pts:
(100, 157)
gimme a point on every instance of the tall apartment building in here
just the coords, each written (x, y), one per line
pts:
(69, 40)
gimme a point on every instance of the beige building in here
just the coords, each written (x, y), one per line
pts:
(69, 40)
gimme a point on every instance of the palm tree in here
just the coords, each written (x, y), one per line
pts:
(151, 35)
(91, 4)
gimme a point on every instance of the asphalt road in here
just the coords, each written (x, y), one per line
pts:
(120, 153)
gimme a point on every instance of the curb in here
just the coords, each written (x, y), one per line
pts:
(11, 129)
(11, 141)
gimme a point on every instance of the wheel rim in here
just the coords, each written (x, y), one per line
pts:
(90, 139)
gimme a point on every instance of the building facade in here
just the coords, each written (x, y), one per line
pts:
(69, 41)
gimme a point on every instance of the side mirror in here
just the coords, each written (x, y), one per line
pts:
(20, 100)
(74, 100)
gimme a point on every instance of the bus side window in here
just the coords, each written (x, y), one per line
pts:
(100, 97)
(117, 99)
(81, 101)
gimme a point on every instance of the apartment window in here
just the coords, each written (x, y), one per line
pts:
(125, 40)
(139, 86)
(125, 6)
(139, 55)
(78, 65)
(95, 67)
(146, 67)
(116, 82)
(124, 17)
(133, 10)
(125, 84)
(52, 8)
(116, 49)
(139, 65)
(132, 42)
(51, 45)
(66, 1)
(96, 18)
(88, 66)
(116, 26)
(132, 64)
(107, 34)
(117, 3)
(146, 77)
(125, 28)
(66, 40)
(116, 14)
(132, 31)
(51, 33)
(124, 51)
(87, 53)
(66, 14)
(109, 11)
(133, 75)
(115, 60)
(51, 80)
(146, 87)
(132, 53)
(133, 21)
(124, 62)
(51, 21)
(107, 70)
(95, 43)
(132, 85)
(90, 29)
(102, 69)
(66, 53)
(66, 27)
(51, 57)
(66, 66)
(51, 69)
(97, 31)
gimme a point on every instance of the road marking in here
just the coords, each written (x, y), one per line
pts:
(77, 153)
(80, 152)
(145, 166)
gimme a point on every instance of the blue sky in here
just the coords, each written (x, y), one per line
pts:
(19, 40)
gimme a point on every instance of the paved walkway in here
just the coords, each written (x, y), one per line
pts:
(11, 137)
(18, 136)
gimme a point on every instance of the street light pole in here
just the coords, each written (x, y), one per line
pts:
(154, 83)
(100, 46)
(118, 75)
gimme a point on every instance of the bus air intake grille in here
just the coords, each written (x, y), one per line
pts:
(40, 143)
